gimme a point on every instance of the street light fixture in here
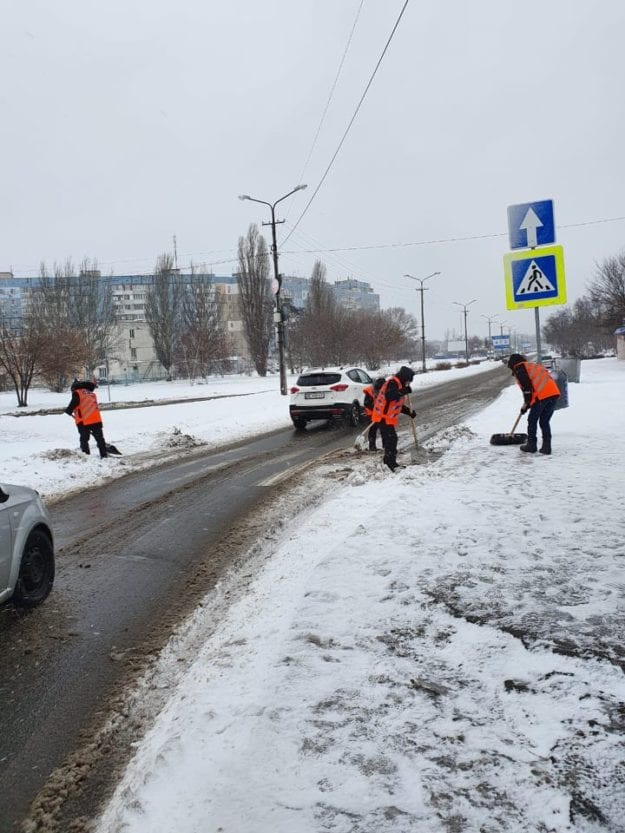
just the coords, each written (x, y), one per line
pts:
(274, 251)
(490, 319)
(466, 337)
(421, 289)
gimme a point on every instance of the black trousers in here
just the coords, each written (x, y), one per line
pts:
(540, 414)
(389, 441)
(372, 434)
(95, 430)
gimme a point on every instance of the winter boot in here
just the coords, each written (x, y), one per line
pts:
(530, 446)
(393, 465)
(545, 447)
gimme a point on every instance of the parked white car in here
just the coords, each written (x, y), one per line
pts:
(329, 393)
(26, 547)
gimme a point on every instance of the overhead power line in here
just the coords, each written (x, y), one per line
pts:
(351, 121)
(434, 241)
(360, 248)
(331, 95)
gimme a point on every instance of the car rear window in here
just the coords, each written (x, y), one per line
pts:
(310, 379)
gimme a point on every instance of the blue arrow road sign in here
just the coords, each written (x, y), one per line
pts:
(531, 224)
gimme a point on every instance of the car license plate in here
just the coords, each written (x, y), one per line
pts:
(314, 395)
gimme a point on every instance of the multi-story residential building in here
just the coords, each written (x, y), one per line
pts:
(13, 297)
(353, 294)
(349, 293)
(137, 357)
(133, 355)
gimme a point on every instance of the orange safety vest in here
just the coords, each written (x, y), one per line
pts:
(543, 383)
(87, 411)
(368, 392)
(387, 411)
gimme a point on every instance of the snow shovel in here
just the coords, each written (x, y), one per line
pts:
(359, 442)
(112, 449)
(418, 452)
(511, 438)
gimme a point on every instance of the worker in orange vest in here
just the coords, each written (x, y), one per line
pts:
(83, 407)
(371, 392)
(540, 394)
(389, 404)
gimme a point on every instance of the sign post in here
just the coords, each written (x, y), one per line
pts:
(533, 278)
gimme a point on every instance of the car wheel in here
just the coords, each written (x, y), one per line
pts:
(300, 424)
(36, 574)
(353, 415)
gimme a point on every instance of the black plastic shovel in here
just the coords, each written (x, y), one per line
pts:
(511, 438)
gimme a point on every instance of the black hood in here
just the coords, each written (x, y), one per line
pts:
(405, 374)
(78, 385)
(514, 359)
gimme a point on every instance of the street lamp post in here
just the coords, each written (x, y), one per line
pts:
(274, 251)
(490, 319)
(421, 289)
(465, 307)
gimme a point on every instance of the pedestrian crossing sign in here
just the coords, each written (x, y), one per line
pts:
(535, 278)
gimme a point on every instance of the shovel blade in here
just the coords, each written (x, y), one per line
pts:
(508, 439)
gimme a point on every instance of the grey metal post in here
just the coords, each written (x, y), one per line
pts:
(465, 307)
(421, 289)
(278, 279)
(279, 321)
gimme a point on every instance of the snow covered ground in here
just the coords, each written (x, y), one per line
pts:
(41, 450)
(435, 650)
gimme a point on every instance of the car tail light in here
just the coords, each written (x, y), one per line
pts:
(294, 389)
(339, 388)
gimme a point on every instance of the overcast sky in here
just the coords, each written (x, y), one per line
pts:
(129, 121)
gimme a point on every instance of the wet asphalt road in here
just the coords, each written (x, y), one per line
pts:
(133, 558)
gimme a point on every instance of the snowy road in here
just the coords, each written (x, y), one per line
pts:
(439, 651)
(136, 557)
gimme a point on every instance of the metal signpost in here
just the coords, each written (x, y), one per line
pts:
(535, 278)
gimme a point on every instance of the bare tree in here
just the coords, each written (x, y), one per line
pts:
(317, 326)
(64, 357)
(92, 313)
(378, 336)
(255, 296)
(407, 325)
(21, 347)
(75, 312)
(607, 290)
(580, 330)
(204, 340)
(163, 310)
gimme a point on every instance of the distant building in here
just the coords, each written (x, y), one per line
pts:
(349, 293)
(295, 291)
(134, 356)
(13, 297)
(356, 295)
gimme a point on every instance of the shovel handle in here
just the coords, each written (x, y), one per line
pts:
(414, 430)
(516, 423)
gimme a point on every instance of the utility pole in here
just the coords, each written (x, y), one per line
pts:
(465, 308)
(175, 254)
(278, 314)
(421, 289)
(490, 319)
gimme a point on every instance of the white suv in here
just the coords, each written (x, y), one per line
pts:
(26, 548)
(328, 393)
